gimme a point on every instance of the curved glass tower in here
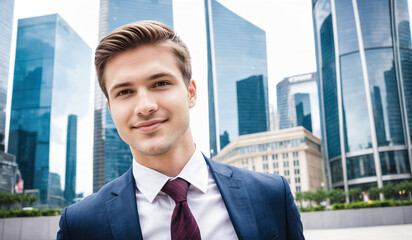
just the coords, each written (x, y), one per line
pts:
(364, 58)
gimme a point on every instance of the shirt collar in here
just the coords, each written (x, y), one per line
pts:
(149, 182)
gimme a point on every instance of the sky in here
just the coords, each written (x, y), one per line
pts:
(290, 51)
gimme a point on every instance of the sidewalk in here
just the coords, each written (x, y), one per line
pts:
(389, 232)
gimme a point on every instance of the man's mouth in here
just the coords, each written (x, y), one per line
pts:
(149, 126)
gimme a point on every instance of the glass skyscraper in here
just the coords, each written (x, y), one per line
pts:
(112, 156)
(364, 58)
(236, 51)
(51, 81)
(71, 157)
(297, 103)
(6, 26)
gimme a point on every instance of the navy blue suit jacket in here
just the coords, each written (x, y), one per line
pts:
(260, 206)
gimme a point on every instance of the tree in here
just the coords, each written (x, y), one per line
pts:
(308, 196)
(404, 189)
(320, 196)
(373, 193)
(337, 195)
(389, 190)
(299, 197)
(355, 194)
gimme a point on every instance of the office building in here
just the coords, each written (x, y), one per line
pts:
(51, 81)
(71, 157)
(6, 26)
(236, 51)
(8, 173)
(112, 156)
(364, 58)
(298, 104)
(294, 153)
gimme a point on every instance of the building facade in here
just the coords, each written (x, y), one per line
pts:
(8, 173)
(6, 26)
(236, 51)
(71, 158)
(364, 58)
(112, 156)
(294, 153)
(298, 104)
(51, 81)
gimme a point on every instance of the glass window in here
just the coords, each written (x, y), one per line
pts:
(360, 166)
(348, 39)
(336, 171)
(375, 23)
(385, 99)
(394, 162)
(265, 166)
(355, 111)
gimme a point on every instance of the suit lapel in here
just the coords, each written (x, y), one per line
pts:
(236, 199)
(122, 209)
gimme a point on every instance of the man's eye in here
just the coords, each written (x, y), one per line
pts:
(160, 84)
(124, 92)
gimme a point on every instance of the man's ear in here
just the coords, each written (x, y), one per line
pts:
(192, 93)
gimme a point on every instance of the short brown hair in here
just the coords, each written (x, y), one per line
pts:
(136, 34)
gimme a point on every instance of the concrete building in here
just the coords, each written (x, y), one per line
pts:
(294, 153)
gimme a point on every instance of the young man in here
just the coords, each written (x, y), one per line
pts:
(171, 190)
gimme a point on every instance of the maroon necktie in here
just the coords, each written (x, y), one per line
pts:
(183, 225)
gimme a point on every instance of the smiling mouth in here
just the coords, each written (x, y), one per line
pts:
(149, 126)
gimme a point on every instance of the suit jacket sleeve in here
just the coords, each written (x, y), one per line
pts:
(63, 233)
(293, 224)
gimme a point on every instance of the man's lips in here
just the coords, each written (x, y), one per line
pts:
(149, 126)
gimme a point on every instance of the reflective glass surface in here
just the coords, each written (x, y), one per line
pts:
(375, 23)
(251, 99)
(289, 91)
(355, 111)
(6, 23)
(405, 48)
(394, 162)
(235, 61)
(384, 94)
(326, 57)
(51, 81)
(360, 166)
(336, 170)
(348, 39)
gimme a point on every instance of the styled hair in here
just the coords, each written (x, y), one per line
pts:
(137, 34)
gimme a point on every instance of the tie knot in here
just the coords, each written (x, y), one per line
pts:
(176, 189)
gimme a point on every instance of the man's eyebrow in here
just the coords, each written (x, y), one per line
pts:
(160, 75)
(120, 85)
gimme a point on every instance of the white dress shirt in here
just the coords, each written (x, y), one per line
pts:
(155, 207)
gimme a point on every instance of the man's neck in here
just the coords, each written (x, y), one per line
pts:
(170, 163)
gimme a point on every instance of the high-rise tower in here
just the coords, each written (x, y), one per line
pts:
(71, 157)
(364, 58)
(236, 51)
(51, 81)
(112, 156)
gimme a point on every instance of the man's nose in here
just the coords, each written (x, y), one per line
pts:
(146, 104)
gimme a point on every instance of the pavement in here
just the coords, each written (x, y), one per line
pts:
(388, 232)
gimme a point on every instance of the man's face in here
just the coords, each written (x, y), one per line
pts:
(148, 99)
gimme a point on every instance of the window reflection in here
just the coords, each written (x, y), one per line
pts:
(355, 111)
(360, 166)
(394, 162)
(375, 23)
(385, 99)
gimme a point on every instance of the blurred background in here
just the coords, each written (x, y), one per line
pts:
(317, 91)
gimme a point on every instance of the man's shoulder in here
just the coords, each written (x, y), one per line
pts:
(96, 202)
(248, 177)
